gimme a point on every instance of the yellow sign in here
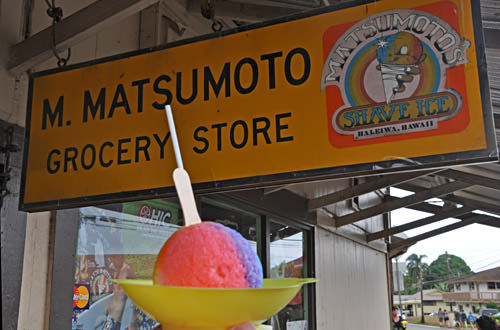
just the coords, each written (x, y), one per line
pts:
(385, 86)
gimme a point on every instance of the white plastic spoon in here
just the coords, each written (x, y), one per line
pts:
(181, 178)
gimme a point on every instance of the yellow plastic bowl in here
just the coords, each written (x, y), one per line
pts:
(214, 309)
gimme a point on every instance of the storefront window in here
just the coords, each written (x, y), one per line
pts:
(118, 241)
(287, 260)
(122, 241)
(243, 222)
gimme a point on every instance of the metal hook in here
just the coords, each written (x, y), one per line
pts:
(56, 13)
(217, 25)
(208, 9)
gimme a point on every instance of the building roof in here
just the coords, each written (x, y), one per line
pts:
(485, 276)
(429, 295)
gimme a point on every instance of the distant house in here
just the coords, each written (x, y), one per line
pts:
(433, 300)
(473, 291)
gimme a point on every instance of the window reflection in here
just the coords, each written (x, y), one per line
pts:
(239, 220)
(122, 241)
(118, 241)
(287, 260)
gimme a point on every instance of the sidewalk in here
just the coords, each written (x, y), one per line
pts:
(412, 326)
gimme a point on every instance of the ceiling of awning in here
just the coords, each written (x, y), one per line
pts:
(470, 194)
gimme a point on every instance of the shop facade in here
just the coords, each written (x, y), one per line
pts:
(93, 245)
(59, 273)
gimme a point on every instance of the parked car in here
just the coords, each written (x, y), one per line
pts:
(488, 311)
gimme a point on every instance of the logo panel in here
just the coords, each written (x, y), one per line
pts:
(395, 75)
(81, 297)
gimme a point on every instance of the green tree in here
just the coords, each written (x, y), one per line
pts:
(491, 304)
(410, 284)
(415, 265)
(416, 269)
(438, 286)
(437, 273)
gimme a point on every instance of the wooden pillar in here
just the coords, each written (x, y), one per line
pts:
(150, 27)
(37, 272)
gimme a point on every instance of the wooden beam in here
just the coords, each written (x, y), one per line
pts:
(401, 202)
(401, 250)
(243, 12)
(354, 191)
(493, 222)
(71, 30)
(429, 208)
(487, 207)
(395, 252)
(299, 5)
(410, 187)
(271, 190)
(419, 223)
(472, 178)
(422, 207)
(149, 26)
(194, 24)
(425, 207)
(491, 38)
(435, 232)
(496, 118)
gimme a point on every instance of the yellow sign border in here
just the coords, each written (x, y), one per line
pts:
(249, 178)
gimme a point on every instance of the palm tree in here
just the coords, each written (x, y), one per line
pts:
(415, 265)
(416, 268)
(440, 287)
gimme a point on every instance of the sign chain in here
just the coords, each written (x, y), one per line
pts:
(6, 148)
(56, 14)
(208, 11)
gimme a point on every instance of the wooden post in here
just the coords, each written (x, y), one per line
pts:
(422, 295)
(37, 272)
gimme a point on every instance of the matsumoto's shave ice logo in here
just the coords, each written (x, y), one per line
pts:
(391, 71)
(399, 57)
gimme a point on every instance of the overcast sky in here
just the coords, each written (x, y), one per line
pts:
(478, 245)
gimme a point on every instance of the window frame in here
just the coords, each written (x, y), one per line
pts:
(308, 264)
(263, 250)
(66, 238)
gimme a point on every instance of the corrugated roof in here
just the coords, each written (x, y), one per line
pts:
(429, 295)
(490, 10)
(490, 275)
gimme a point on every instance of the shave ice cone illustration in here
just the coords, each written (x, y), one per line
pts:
(399, 56)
